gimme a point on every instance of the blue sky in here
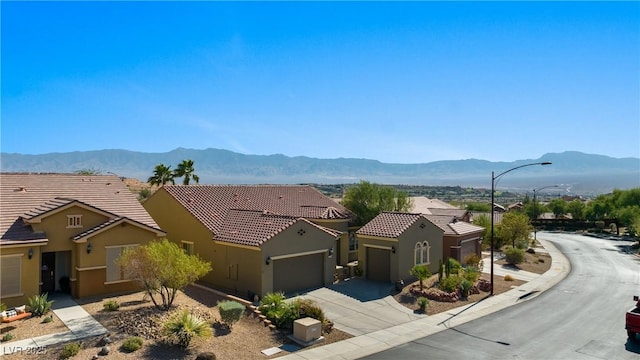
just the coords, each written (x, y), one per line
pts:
(396, 82)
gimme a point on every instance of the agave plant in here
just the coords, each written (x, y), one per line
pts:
(183, 326)
(38, 305)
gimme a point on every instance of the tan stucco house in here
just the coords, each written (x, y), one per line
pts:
(259, 238)
(62, 232)
(392, 243)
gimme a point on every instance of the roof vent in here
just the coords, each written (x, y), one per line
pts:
(20, 189)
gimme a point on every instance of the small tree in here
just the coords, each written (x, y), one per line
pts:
(162, 174)
(186, 171)
(421, 272)
(163, 269)
(366, 200)
(514, 228)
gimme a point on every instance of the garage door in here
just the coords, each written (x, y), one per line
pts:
(298, 273)
(378, 264)
(468, 247)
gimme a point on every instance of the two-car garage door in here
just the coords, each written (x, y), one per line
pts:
(298, 273)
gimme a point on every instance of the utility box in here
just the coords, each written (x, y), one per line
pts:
(307, 329)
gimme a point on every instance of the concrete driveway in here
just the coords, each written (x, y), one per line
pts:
(358, 306)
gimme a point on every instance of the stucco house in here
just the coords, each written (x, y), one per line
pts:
(392, 243)
(62, 232)
(259, 238)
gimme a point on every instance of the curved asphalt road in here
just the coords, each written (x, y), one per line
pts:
(582, 317)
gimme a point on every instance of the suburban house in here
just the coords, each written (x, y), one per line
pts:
(259, 239)
(393, 242)
(461, 238)
(63, 232)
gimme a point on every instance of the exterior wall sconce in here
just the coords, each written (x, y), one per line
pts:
(268, 261)
(393, 249)
(89, 248)
(331, 252)
(30, 253)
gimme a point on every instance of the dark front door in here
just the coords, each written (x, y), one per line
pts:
(378, 264)
(48, 275)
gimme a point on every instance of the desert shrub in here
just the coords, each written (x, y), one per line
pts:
(7, 337)
(183, 326)
(421, 272)
(423, 302)
(132, 344)
(472, 260)
(271, 302)
(450, 284)
(465, 286)
(48, 319)
(230, 312)
(38, 305)
(452, 267)
(514, 256)
(440, 269)
(282, 314)
(508, 278)
(472, 274)
(70, 350)
(3, 307)
(111, 305)
(207, 355)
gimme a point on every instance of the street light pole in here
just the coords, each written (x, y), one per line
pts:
(493, 184)
(535, 208)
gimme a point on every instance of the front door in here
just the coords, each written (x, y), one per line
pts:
(48, 274)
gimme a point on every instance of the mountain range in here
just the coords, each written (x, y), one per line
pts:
(576, 171)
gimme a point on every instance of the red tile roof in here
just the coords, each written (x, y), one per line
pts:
(210, 204)
(32, 195)
(254, 228)
(390, 224)
(451, 226)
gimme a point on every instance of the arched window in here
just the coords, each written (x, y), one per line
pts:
(421, 253)
(417, 254)
(425, 252)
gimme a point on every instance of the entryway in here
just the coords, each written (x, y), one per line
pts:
(55, 270)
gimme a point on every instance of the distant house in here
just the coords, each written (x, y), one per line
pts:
(460, 237)
(61, 232)
(261, 238)
(518, 206)
(392, 243)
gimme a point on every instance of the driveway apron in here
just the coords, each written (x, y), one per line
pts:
(358, 306)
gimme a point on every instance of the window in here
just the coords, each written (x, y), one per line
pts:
(421, 253)
(353, 241)
(114, 272)
(11, 276)
(187, 247)
(74, 221)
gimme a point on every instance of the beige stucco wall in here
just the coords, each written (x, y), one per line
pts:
(342, 244)
(289, 242)
(403, 259)
(30, 274)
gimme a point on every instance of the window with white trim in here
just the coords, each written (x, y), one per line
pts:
(353, 241)
(74, 221)
(114, 270)
(11, 275)
(421, 253)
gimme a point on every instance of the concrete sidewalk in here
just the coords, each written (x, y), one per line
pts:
(392, 336)
(80, 323)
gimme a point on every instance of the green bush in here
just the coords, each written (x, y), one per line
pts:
(7, 337)
(48, 319)
(38, 305)
(132, 344)
(423, 302)
(3, 307)
(70, 350)
(111, 305)
(514, 256)
(282, 314)
(472, 274)
(472, 260)
(465, 286)
(450, 284)
(452, 267)
(183, 326)
(230, 312)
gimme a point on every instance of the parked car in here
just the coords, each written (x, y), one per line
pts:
(633, 320)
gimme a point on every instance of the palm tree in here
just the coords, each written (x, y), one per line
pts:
(162, 174)
(185, 169)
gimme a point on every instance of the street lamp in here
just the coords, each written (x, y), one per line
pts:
(493, 182)
(535, 207)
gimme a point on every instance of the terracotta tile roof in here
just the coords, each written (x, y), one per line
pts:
(211, 203)
(254, 227)
(458, 213)
(112, 222)
(33, 195)
(390, 224)
(452, 226)
(424, 205)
